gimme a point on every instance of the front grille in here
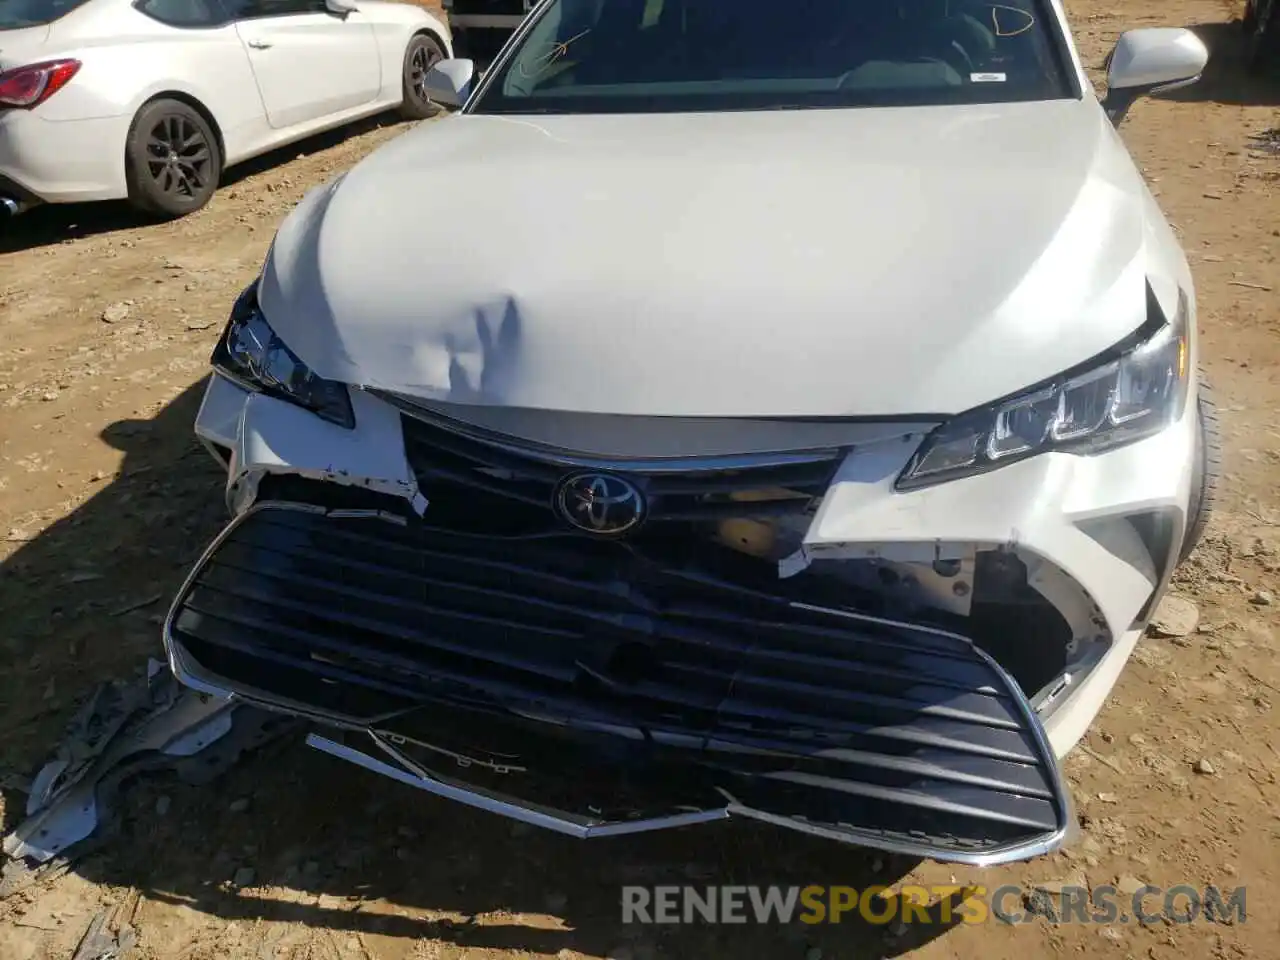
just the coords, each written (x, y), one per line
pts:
(881, 732)
(449, 464)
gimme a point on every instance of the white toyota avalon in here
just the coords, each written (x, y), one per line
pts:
(785, 411)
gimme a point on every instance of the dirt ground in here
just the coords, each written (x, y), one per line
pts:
(105, 501)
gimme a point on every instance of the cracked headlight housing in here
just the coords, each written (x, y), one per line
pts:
(1132, 392)
(251, 354)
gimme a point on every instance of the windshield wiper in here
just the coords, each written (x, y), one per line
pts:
(516, 110)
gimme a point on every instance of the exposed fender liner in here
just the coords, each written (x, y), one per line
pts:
(937, 576)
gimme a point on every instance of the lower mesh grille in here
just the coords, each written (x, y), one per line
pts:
(585, 677)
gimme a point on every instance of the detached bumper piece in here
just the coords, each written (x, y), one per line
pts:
(592, 688)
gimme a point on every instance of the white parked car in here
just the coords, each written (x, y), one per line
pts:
(794, 418)
(153, 99)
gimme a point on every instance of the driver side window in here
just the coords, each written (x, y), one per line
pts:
(192, 14)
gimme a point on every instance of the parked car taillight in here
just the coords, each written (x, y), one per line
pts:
(26, 87)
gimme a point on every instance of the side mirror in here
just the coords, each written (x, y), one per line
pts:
(448, 83)
(1151, 60)
(340, 7)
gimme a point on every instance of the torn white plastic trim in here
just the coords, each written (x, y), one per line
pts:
(242, 492)
(273, 436)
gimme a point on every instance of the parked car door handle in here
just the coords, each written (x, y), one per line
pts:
(259, 44)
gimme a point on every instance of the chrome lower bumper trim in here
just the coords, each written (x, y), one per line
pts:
(481, 800)
(484, 801)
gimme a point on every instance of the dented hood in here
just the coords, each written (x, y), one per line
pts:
(792, 263)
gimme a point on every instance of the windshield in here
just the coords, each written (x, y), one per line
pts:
(587, 56)
(15, 14)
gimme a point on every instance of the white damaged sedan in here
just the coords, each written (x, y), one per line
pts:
(720, 415)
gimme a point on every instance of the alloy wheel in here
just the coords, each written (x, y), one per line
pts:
(178, 157)
(423, 58)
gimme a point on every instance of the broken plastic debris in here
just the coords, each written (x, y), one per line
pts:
(125, 728)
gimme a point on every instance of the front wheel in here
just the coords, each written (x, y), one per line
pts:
(172, 159)
(1206, 471)
(1262, 40)
(423, 53)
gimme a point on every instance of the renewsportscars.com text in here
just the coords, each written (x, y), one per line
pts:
(946, 904)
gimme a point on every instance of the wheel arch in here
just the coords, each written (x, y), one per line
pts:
(434, 34)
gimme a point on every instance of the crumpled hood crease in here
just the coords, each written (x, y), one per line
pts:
(823, 263)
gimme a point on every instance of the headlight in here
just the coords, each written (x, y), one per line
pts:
(1133, 392)
(251, 354)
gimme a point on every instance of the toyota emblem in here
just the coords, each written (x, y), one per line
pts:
(600, 503)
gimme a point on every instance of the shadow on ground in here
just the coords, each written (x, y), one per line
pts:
(1225, 79)
(58, 223)
(81, 601)
(330, 845)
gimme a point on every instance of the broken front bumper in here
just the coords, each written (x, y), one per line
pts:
(591, 687)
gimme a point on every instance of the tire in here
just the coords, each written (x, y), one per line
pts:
(1262, 42)
(1206, 472)
(422, 54)
(172, 159)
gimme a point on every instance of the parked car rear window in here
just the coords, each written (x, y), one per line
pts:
(183, 13)
(16, 14)
(659, 55)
